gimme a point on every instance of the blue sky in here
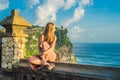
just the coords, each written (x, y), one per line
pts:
(95, 21)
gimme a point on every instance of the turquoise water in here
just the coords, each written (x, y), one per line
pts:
(102, 54)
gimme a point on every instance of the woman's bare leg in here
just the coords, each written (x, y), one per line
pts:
(36, 62)
(44, 60)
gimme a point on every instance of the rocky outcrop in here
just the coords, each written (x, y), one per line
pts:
(64, 47)
(64, 54)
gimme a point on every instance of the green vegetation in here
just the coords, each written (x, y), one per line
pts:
(62, 38)
(32, 43)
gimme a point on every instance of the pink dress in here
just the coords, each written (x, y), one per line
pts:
(50, 56)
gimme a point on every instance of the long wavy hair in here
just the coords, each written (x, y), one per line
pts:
(49, 33)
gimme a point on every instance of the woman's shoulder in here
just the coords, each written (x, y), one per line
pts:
(41, 37)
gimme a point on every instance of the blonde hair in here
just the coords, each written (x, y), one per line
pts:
(48, 33)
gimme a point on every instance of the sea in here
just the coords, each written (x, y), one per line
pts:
(100, 54)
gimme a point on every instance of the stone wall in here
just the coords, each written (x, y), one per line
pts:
(12, 50)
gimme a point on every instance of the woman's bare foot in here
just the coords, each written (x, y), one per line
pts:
(51, 66)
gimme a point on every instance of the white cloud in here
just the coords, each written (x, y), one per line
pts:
(31, 3)
(79, 12)
(4, 4)
(69, 4)
(85, 2)
(74, 32)
(47, 11)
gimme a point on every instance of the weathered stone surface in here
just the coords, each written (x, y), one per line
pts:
(4, 65)
(12, 50)
(3, 58)
(9, 66)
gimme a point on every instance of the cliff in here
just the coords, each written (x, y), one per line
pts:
(63, 49)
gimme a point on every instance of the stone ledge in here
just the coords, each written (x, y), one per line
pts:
(78, 70)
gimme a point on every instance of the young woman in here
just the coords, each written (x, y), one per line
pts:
(46, 45)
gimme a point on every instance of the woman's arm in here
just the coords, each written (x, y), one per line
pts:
(51, 47)
(40, 40)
